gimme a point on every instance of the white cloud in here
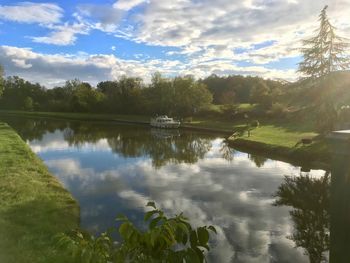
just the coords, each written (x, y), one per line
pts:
(127, 4)
(100, 17)
(63, 34)
(55, 69)
(27, 12)
(21, 63)
(207, 25)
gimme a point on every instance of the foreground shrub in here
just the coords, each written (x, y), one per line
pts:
(166, 240)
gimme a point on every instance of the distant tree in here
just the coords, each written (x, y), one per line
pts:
(189, 96)
(325, 52)
(227, 97)
(181, 96)
(16, 90)
(261, 94)
(85, 98)
(235, 88)
(326, 118)
(28, 104)
(160, 95)
(123, 95)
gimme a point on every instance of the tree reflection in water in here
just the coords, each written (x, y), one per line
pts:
(227, 152)
(257, 159)
(310, 199)
(162, 146)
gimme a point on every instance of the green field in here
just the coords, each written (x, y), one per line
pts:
(34, 205)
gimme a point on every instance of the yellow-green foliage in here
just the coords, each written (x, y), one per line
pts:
(34, 205)
(166, 240)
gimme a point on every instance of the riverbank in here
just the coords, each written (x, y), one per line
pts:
(282, 141)
(34, 205)
(275, 138)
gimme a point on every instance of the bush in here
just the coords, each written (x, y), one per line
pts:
(166, 240)
(229, 111)
(326, 118)
(28, 104)
(277, 110)
(255, 124)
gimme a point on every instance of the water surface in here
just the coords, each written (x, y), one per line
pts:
(112, 169)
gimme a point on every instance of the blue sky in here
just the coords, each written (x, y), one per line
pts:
(50, 42)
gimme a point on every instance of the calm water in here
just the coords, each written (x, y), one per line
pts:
(112, 169)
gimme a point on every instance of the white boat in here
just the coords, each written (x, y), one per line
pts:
(164, 122)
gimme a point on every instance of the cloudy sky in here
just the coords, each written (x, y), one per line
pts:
(50, 42)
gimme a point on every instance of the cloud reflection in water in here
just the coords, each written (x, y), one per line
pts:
(235, 195)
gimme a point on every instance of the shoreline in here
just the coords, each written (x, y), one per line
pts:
(318, 156)
(35, 205)
(297, 157)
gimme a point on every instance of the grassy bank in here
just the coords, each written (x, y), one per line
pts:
(34, 205)
(277, 137)
(280, 140)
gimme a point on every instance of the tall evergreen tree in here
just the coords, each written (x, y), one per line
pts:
(325, 52)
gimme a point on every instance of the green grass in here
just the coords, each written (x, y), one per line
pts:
(218, 108)
(246, 106)
(279, 134)
(275, 133)
(34, 205)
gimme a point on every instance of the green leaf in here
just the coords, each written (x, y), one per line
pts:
(154, 237)
(86, 256)
(199, 254)
(212, 229)
(134, 238)
(203, 235)
(124, 230)
(184, 239)
(149, 214)
(167, 239)
(192, 256)
(152, 204)
(121, 217)
(183, 227)
(193, 238)
(154, 222)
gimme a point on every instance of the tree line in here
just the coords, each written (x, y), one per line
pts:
(179, 96)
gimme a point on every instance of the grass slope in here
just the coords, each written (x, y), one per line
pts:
(34, 205)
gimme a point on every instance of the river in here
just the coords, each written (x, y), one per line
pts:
(112, 169)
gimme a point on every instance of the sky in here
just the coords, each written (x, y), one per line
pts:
(96, 40)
